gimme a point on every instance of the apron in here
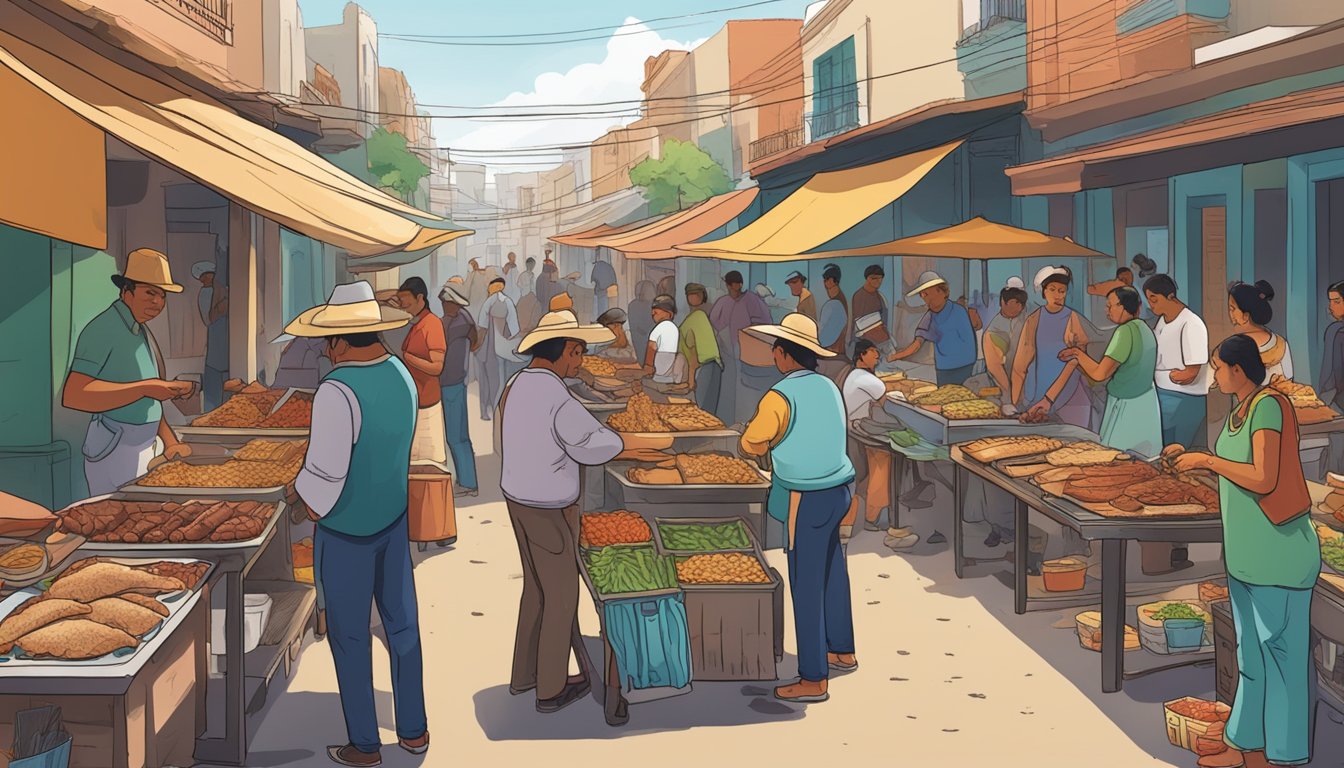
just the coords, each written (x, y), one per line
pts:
(116, 453)
(430, 443)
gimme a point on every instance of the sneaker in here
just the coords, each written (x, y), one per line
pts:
(459, 490)
(415, 746)
(874, 527)
(448, 542)
(846, 532)
(349, 755)
(572, 693)
(901, 542)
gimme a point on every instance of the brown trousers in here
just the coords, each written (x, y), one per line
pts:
(548, 614)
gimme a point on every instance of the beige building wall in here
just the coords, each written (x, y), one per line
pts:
(349, 51)
(900, 40)
(710, 107)
(284, 60)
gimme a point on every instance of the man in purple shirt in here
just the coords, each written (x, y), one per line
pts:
(730, 315)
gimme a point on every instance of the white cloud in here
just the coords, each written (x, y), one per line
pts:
(615, 78)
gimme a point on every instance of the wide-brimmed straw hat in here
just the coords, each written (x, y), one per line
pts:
(149, 267)
(565, 325)
(451, 294)
(351, 309)
(758, 340)
(927, 281)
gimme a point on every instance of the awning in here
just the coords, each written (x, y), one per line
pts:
(823, 208)
(977, 239)
(1300, 122)
(205, 140)
(659, 239)
(593, 219)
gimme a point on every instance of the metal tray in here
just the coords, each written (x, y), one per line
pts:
(601, 598)
(273, 493)
(753, 545)
(639, 493)
(940, 430)
(204, 547)
(112, 664)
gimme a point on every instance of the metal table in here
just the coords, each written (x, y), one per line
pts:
(1113, 533)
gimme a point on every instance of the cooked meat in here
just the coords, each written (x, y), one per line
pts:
(107, 579)
(34, 615)
(1165, 490)
(75, 639)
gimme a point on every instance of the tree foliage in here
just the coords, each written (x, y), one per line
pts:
(395, 166)
(683, 176)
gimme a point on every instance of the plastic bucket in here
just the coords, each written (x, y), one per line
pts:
(1184, 634)
(1068, 574)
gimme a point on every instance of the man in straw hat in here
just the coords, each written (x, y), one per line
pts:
(948, 326)
(800, 423)
(546, 436)
(462, 338)
(117, 375)
(364, 416)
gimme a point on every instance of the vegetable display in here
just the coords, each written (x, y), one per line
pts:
(704, 538)
(617, 570)
(721, 568)
(905, 438)
(1177, 611)
(1332, 552)
(600, 529)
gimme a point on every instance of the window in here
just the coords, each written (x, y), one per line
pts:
(835, 91)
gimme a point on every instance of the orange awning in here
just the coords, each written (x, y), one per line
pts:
(585, 236)
(977, 239)
(659, 239)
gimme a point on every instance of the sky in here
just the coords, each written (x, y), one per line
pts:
(608, 67)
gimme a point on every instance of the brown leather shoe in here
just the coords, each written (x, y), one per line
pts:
(350, 755)
(415, 746)
(571, 693)
(1229, 759)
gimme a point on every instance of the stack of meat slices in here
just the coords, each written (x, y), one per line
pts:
(1132, 486)
(1105, 483)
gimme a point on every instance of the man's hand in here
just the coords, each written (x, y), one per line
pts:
(160, 389)
(176, 451)
(1070, 353)
(1184, 377)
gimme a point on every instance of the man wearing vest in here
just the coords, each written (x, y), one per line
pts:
(800, 422)
(364, 416)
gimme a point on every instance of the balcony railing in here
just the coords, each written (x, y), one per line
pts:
(776, 143)
(213, 16)
(838, 119)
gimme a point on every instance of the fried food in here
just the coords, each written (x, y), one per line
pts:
(716, 469)
(244, 409)
(655, 476)
(296, 413)
(129, 617)
(34, 615)
(990, 449)
(107, 579)
(972, 409)
(75, 639)
(145, 601)
(278, 451)
(231, 473)
(721, 568)
(1171, 491)
(641, 414)
(948, 393)
(189, 574)
(1082, 454)
(22, 558)
(599, 366)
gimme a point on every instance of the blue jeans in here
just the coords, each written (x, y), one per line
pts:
(358, 571)
(1272, 709)
(819, 582)
(458, 433)
(1182, 416)
(947, 376)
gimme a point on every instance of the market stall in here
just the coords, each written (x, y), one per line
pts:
(252, 412)
(1103, 496)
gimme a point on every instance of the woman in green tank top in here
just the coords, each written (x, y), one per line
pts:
(1271, 569)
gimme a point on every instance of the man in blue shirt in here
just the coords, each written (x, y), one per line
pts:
(949, 327)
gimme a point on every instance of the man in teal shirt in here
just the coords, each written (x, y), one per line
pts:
(116, 375)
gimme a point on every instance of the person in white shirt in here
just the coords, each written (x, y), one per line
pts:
(862, 391)
(1182, 363)
(661, 357)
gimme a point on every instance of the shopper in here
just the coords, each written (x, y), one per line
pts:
(1182, 364)
(1037, 363)
(833, 325)
(1002, 338)
(640, 315)
(502, 315)
(863, 391)
(620, 351)
(546, 436)
(807, 303)
(353, 483)
(214, 309)
(800, 422)
(423, 353)
(117, 375)
(461, 338)
(1248, 306)
(949, 327)
(605, 287)
(1273, 559)
(526, 280)
(660, 356)
(868, 308)
(730, 315)
(701, 350)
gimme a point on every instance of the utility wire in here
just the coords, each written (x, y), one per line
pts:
(578, 31)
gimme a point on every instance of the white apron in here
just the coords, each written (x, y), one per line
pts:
(430, 444)
(116, 453)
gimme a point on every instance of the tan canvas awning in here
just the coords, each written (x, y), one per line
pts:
(659, 239)
(977, 239)
(205, 140)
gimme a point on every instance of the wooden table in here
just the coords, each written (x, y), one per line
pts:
(1114, 535)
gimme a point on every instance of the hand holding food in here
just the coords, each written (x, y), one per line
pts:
(1192, 460)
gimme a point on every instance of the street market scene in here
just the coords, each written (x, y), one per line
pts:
(954, 382)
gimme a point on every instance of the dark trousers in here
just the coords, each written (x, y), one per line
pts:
(356, 572)
(548, 613)
(708, 381)
(947, 376)
(819, 582)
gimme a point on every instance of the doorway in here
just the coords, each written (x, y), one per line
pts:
(1210, 233)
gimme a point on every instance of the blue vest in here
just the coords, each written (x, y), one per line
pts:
(811, 456)
(374, 496)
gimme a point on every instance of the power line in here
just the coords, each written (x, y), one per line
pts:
(579, 31)
(567, 41)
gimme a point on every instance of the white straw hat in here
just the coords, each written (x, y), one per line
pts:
(565, 325)
(927, 281)
(351, 309)
(450, 293)
(757, 340)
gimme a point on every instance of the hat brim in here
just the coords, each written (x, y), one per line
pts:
(588, 334)
(304, 325)
(925, 287)
(452, 296)
(169, 287)
(758, 341)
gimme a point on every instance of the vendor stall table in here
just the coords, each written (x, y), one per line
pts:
(690, 501)
(1114, 535)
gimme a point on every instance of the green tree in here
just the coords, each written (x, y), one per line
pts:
(683, 176)
(395, 166)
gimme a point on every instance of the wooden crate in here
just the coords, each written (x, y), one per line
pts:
(154, 723)
(736, 630)
(1224, 650)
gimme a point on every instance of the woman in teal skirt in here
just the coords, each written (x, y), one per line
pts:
(1133, 418)
(1271, 568)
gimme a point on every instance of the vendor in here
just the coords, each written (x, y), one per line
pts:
(833, 325)
(660, 357)
(862, 390)
(1037, 364)
(949, 327)
(1273, 559)
(1001, 340)
(801, 423)
(620, 350)
(1331, 387)
(699, 348)
(214, 309)
(117, 375)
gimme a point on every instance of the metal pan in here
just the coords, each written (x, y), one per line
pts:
(178, 546)
(271, 493)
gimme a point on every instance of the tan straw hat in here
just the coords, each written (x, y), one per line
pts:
(565, 325)
(927, 281)
(148, 266)
(351, 309)
(758, 340)
(451, 294)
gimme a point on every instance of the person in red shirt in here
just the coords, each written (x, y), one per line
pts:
(423, 352)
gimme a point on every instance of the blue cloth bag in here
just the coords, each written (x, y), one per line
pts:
(651, 639)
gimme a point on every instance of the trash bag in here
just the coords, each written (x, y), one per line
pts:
(651, 639)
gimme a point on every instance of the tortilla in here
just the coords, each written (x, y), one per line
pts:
(34, 615)
(124, 615)
(107, 579)
(75, 640)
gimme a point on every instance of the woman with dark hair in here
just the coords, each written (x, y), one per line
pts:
(1248, 306)
(1037, 363)
(1273, 559)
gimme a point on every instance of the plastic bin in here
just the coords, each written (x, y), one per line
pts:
(1088, 624)
(1154, 636)
(1184, 634)
(256, 613)
(1067, 574)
